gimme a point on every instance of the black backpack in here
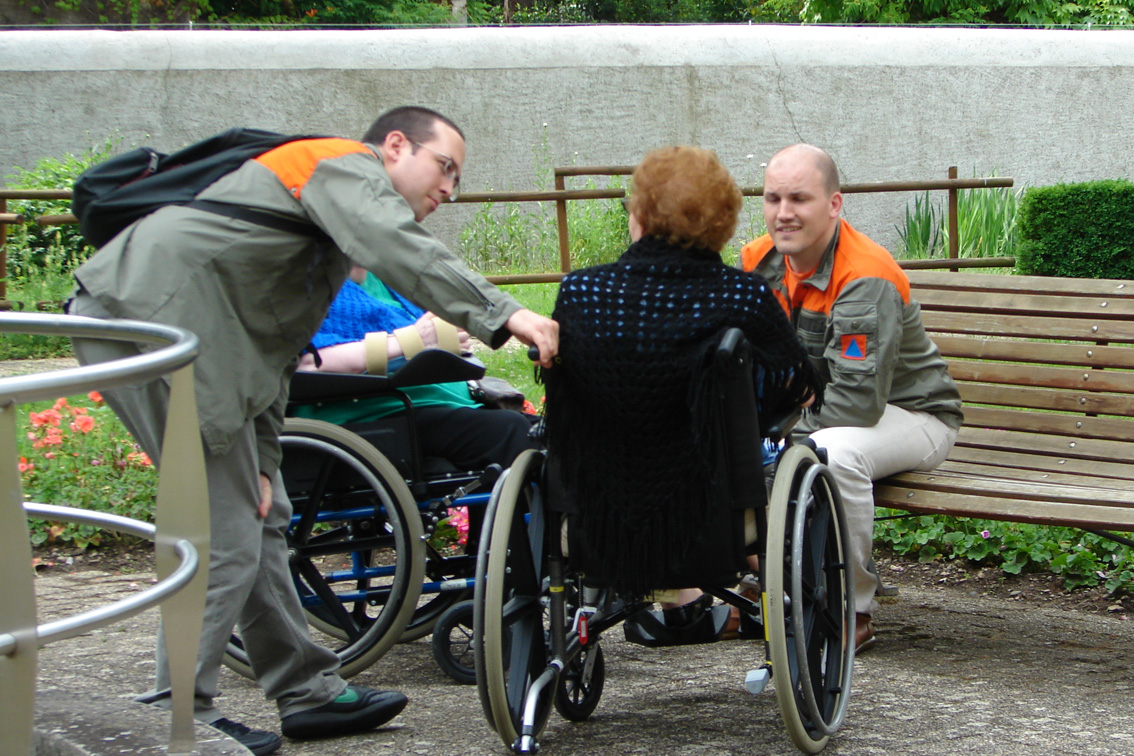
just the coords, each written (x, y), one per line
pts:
(110, 196)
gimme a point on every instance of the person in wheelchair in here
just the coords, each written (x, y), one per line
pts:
(629, 392)
(452, 425)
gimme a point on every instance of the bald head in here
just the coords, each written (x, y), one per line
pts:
(801, 204)
(817, 157)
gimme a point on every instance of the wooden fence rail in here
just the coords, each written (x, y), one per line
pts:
(561, 195)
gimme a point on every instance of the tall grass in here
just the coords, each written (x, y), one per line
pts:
(524, 237)
(986, 220)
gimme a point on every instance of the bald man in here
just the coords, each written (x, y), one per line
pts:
(889, 403)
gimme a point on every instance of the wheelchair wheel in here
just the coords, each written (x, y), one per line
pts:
(452, 643)
(810, 600)
(580, 685)
(509, 623)
(356, 544)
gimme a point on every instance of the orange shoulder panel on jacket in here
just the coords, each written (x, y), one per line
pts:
(754, 251)
(294, 162)
(862, 257)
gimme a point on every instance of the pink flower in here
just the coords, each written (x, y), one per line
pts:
(459, 519)
(985, 534)
(95, 397)
(26, 466)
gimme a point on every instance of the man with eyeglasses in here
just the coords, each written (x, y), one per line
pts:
(255, 296)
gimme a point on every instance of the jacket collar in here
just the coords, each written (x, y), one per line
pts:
(821, 276)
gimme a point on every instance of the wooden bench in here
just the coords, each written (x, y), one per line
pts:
(1046, 371)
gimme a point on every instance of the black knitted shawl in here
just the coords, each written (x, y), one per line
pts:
(623, 402)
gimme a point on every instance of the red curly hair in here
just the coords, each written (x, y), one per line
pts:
(685, 196)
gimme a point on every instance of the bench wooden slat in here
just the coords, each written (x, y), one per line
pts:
(1015, 459)
(1060, 447)
(951, 481)
(972, 469)
(1085, 355)
(1083, 382)
(1066, 428)
(1089, 307)
(1029, 326)
(927, 279)
(1047, 398)
(981, 501)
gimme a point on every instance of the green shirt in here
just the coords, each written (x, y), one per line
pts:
(450, 395)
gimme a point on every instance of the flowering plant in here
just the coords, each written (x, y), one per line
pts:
(452, 533)
(76, 453)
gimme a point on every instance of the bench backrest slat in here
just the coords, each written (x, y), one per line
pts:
(1069, 426)
(1079, 380)
(1017, 351)
(1029, 325)
(990, 284)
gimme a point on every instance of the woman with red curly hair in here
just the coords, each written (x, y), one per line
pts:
(621, 427)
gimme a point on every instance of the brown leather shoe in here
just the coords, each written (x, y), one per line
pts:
(864, 639)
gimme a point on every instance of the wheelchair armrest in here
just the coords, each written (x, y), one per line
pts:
(429, 366)
(777, 428)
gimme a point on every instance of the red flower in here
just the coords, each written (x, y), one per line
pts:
(95, 397)
(82, 423)
(47, 417)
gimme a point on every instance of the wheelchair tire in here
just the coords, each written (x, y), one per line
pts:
(354, 511)
(509, 622)
(581, 684)
(452, 643)
(810, 600)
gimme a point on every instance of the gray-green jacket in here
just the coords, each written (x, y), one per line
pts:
(256, 295)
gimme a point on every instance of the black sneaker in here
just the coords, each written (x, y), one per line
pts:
(259, 742)
(357, 709)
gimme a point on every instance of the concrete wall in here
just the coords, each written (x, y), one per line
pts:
(889, 104)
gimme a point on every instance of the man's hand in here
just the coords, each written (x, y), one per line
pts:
(265, 496)
(536, 330)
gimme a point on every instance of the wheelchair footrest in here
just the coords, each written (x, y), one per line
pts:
(707, 624)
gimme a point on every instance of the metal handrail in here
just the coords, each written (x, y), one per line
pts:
(181, 514)
(69, 627)
(183, 347)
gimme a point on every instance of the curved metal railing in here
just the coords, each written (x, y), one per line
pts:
(69, 627)
(181, 503)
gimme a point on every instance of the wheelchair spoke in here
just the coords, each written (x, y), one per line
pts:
(301, 530)
(331, 603)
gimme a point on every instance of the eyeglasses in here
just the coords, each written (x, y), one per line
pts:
(448, 168)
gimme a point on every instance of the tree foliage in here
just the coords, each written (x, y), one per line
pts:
(383, 13)
(1045, 13)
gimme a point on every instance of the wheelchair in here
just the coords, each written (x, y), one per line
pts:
(365, 505)
(538, 617)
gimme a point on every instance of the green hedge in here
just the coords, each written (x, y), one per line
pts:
(1077, 230)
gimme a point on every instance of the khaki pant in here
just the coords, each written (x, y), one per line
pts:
(901, 440)
(249, 585)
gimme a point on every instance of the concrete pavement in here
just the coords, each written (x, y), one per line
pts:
(953, 673)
